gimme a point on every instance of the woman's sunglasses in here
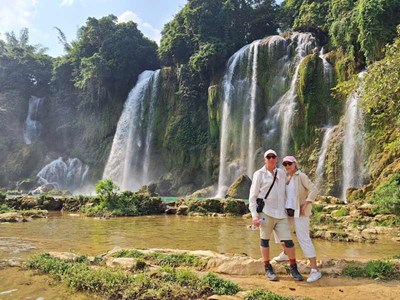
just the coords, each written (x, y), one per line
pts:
(287, 163)
(270, 157)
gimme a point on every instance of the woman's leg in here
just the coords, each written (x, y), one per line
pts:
(302, 227)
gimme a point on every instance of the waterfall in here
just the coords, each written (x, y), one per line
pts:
(353, 145)
(239, 90)
(129, 161)
(319, 173)
(69, 174)
(32, 125)
(327, 67)
(240, 135)
(280, 116)
(253, 95)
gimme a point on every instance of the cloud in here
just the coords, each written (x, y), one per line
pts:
(67, 2)
(17, 14)
(146, 28)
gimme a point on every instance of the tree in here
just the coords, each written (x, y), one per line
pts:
(207, 32)
(377, 20)
(24, 67)
(107, 190)
(107, 58)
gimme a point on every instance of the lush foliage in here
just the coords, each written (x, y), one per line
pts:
(387, 195)
(381, 100)
(107, 190)
(205, 33)
(108, 56)
(24, 67)
(305, 15)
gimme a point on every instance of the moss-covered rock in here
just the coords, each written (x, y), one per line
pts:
(240, 188)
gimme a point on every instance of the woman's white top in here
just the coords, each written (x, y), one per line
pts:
(291, 195)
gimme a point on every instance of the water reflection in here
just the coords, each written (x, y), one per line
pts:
(224, 235)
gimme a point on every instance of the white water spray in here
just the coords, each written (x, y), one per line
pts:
(129, 160)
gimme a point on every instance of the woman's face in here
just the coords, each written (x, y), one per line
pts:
(290, 167)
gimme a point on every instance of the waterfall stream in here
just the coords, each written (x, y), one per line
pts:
(129, 159)
(320, 171)
(32, 125)
(353, 145)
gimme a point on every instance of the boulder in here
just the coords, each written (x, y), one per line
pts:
(240, 188)
(27, 185)
(43, 189)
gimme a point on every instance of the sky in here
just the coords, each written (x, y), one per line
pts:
(41, 16)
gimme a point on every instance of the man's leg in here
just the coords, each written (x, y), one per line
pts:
(282, 229)
(265, 234)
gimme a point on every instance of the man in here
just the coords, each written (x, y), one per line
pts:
(273, 212)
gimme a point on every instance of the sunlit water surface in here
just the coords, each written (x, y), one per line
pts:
(63, 232)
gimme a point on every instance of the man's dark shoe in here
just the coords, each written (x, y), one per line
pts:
(295, 273)
(270, 274)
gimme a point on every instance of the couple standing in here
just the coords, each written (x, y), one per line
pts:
(283, 194)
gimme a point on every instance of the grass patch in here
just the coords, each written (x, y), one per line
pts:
(340, 212)
(384, 270)
(266, 295)
(166, 283)
(162, 259)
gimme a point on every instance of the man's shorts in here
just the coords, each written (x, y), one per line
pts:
(281, 227)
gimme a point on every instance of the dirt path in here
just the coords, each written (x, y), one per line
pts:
(326, 288)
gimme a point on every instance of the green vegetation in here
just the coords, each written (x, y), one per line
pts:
(164, 283)
(266, 295)
(341, 212)
(387, 195)
(205, 33)
(384, 270)
(162, 259)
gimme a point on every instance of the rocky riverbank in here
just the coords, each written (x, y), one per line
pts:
(244, 271)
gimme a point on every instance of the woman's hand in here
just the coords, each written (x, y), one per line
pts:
(303, 207)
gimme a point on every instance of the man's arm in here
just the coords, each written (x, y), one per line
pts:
(254, 190)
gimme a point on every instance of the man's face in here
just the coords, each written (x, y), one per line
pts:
(271, 160)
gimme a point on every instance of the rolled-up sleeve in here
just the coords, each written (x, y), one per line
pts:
(254, 191)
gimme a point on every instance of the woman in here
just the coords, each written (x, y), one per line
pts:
(300, 193)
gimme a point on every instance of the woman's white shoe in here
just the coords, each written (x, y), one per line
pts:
(281, 257)
(314, 275)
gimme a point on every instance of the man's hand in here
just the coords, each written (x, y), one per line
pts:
(256, 221)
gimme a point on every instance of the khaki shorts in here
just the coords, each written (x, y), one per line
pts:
(280, 226)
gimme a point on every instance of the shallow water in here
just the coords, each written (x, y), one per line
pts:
(82, 235)
(79, 234)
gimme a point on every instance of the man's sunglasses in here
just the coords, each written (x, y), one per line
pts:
(270, 157)
(287, 163)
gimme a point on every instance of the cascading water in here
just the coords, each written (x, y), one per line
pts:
(327, 67)
(319, 173)
(129, 160)
(69, 174)
(353, 145)
(239, 88)
(32, 125)
(328, 130)
(241, 106)
(279, 118)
